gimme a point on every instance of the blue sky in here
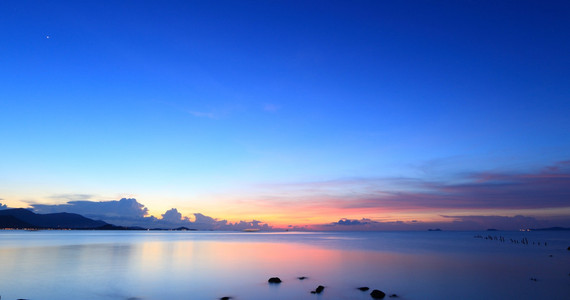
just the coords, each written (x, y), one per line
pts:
(195, 104)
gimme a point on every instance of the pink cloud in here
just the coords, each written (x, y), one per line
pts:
(546, 188)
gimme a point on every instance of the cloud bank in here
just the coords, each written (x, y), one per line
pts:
(129, 212)
(465, 201)
(127, 208)
(456, 223)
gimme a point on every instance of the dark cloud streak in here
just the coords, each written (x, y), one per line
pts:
(548, 188)
(456, 223)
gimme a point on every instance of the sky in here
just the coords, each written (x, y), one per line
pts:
(321, 115)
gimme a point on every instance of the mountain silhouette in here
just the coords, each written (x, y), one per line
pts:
(24, 218)
(13, 222)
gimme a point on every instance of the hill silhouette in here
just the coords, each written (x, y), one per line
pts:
(24, 218)
(13, 222)
(21, 218)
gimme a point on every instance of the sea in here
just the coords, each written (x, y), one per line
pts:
(162, 265)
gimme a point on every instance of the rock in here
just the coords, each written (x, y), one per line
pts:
(393, 296)
(318, 290)
(226, 298)
(364, 288)
(274, 280)
(302, 278)
(377, 294)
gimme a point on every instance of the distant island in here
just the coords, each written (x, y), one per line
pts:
(551, 229)
(21, 218)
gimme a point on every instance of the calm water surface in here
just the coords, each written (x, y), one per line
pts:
(46, 265)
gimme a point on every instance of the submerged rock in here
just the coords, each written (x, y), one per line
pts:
(226, 298)
(377, 294)
(393, 296)
(364, 288)
(318, 290)
(302, 278)
(274, 280)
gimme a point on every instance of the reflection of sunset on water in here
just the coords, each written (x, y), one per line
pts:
(94, 265)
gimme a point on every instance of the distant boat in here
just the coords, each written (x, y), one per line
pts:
(251, 230)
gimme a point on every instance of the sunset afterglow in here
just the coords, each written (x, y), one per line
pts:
(298, 115)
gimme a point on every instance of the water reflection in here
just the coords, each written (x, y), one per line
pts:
(93, 265)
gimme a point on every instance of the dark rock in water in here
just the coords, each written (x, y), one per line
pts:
(377, 294)
(364, 288)
(274, 280)
(550, 255)
(533, 279)
(225, 298)
(302, 278)
(393, 296)
(568, 248)
(318, 290)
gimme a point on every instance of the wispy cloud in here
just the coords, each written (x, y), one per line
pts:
(200, 114)
(271, 107)
(71, 197)
(546, 188)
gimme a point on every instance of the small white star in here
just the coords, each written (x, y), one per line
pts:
(47, 37)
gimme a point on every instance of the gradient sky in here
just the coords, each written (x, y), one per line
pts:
(289, 112)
